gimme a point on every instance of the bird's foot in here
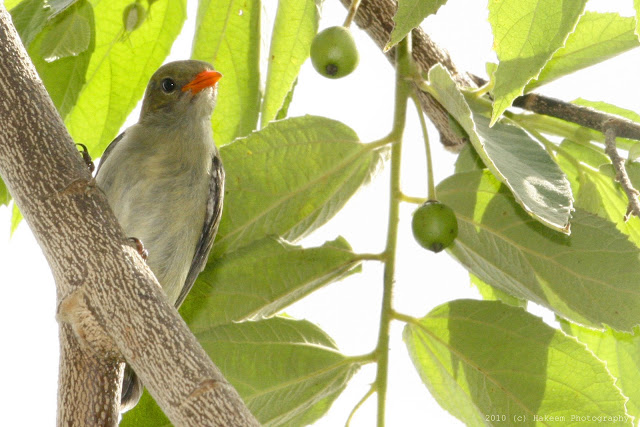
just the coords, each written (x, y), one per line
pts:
(87, 158)
(140, 247)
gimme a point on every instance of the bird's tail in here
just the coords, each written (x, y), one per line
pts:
(131, 390)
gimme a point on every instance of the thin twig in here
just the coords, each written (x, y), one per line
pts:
(578, 114)
(584, 116)
(610, 133)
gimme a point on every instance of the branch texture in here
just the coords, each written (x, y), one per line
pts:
(578, 114)
(109, 303)
(621, 173)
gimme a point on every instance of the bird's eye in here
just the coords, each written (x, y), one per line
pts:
(168, 85)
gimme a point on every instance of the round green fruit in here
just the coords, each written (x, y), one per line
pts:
(434, 226)
(334, 53)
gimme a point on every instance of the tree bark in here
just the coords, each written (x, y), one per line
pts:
(110, 307)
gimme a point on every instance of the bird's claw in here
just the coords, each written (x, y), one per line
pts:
(140, 247)
(86, 157)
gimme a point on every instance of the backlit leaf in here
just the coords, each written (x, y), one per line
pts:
(621, 352)
(65, 77)
(409, 15)
(261, 279)
(289, 178)
(597, 37)
(589, 277)
(526, 34)
(489, 363)
(70, 35)
(287, 371)
(536, 181)
(228, 36)
(120, 68)
(295, 26)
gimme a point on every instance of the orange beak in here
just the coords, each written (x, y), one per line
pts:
(203, 80)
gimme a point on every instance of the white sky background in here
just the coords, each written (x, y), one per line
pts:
(348, 310)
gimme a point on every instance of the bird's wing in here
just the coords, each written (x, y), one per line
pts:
(211, 221)
(109, 149)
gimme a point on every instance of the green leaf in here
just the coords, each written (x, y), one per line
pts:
(589, 277)
(282, 114)
(526, 34)
(620, 351)
(287, 371)
(597, 37)
(5, 197)
(16, 218)
(536, 181)
(261, 279)
(596, 191)
(289, 178)
(146, 413)
(586, 152)
(295, 26)
(281, 367)
(228, 36)
(468, 160)
(490, 364)
(490, 293)
(636, 6)
(29, 17)
(70, 35)
(59, 6)
(409, 15)
(120, 68)
(10, 4)
(64, 78)
(634, 152)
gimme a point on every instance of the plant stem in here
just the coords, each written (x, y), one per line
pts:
(382, 349)
(352, 13)
(372, 389)
(370, 257)
(412, 199)
(431, 192)
(404, 317)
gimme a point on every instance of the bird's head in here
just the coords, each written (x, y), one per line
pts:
(181, 90)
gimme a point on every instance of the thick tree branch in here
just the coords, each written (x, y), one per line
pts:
(109, 303)
(88, 387)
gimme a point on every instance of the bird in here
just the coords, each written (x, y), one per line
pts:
(164, 180)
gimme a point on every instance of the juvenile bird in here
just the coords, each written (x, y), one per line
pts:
(164, 180)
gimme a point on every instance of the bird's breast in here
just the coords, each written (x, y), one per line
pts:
(159, 197)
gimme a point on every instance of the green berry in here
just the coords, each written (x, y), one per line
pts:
(133, 16)
(334, 53)
(434, 226)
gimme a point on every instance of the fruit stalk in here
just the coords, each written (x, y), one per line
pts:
(431, 192)
(352, 13)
